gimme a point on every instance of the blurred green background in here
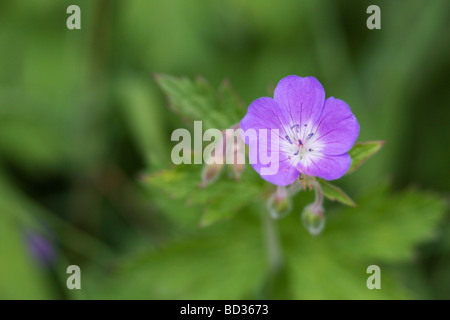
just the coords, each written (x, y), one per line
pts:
(81, 119)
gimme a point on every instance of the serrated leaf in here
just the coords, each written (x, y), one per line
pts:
(219, 201)
(335, 193)
(177, 182)
(230, 102)
(228, 201)
(197, 100)
(362, 151)
(382, 230)
(387, 227)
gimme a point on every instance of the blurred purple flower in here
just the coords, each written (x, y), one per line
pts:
(40, 247)
(314, 134)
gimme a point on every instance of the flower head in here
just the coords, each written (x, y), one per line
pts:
(314, 134)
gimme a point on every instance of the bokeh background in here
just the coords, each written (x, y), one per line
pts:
(82, 119)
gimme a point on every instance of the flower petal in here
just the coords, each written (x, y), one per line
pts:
(285, 174)
(301, 98)
(337, 128)
(325, 166)
(264, 113)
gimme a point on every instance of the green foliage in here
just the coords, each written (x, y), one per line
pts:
(81, 118)
(145, 119)
(382, 230)
(18, 269)
(194, 100)
(227, 263)
(220, 201)
(335, 193)
(362, 151)
(197, 100)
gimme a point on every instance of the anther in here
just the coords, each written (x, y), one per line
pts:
(310, 135)
(288, 139)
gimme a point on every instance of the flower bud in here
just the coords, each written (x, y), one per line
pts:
(40, 248)
(313, 219)
(214, 162)
(229, 149)
(235, 150)
(279, 203)
(239, 159)
(210, 173)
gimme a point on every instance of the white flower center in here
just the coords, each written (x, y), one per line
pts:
(298, 143)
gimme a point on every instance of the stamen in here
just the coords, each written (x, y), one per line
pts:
(309, 136)
(295, 126)
(296, 152)
(305, 125)
(288, 139)
(310, 150)
(300, 141)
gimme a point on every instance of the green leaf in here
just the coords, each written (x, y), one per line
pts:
(232, 197)
(145, 119)
(218, 201)
(209, 266)
(388, 227)
(229, 260)
(178, 182)
(362, 151)
(335, 193)
(197, 100)
(383, 230)
(230, 102)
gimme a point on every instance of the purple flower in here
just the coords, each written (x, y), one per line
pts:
(314, 134)
(40, 247)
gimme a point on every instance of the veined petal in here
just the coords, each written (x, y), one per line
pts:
(286, 173)
(314, 135)
(266, 119)
(301, 98)
(264, 113)
(337, 128)
(325, 166)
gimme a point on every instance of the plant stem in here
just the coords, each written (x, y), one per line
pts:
(318, 202)
(272, 237)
